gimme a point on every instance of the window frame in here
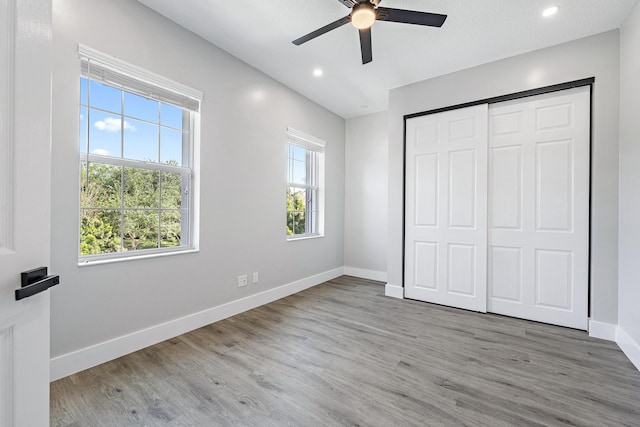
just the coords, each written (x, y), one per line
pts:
(134, 80)
(314, 182)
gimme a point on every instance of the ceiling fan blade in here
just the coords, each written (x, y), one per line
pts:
(348, 3)
(410, 17)
(365, 45)
(320, 31)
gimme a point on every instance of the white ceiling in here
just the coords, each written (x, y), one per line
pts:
(476, 31)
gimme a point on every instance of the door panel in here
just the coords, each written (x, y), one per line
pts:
(506, 123)
(461, 129)
(554, 117)
(554, 277)
(506, 185)
(25, 143)
(462, 189)
(445, 223)
(539, 208)
(426, 194)
(426, 262)
(554, 185)
(462, 271)
(506, 273)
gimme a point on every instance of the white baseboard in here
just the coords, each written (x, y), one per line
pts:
(630, 348)
(380, 276)
(604, 331)
(394, 291)
(79, 360)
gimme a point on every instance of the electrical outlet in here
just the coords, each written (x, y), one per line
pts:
(242, 280)
(255, 277)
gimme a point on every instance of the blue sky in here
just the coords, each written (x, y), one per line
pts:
(297, 164)
(148, 130)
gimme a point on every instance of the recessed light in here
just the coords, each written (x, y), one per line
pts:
(550, 11)
(317, 72)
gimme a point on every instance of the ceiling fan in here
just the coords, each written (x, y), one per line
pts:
(364, 13)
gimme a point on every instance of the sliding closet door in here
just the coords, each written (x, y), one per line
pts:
(446, 208)
(539, 208)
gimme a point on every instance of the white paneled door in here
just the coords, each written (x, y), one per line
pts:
(497, 208)
(446, 206)
(539, 208)
(25, 145)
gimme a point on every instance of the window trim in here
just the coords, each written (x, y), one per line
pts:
(316, 145)
(160, 89)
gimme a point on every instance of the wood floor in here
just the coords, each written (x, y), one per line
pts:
(342, 353)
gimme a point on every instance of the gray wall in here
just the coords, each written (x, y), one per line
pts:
(365, 216)
(596, 56)
(245, 115)
(629, 272)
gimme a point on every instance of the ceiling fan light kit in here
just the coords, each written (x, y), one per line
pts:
(363, 16)
(364, 13)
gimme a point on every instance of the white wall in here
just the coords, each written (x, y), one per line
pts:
(365, 216)
(245, 115)
(596, 56)
(629, 255)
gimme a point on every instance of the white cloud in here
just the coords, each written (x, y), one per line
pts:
(111, 124)
(100, 151)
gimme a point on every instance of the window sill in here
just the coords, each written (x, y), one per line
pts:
(100, 261)
(305, 237)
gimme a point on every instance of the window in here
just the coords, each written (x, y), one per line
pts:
(305, 181)
(136, 160)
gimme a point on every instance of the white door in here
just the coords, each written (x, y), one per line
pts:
(539, 208)
(446, 208)
(25, 98)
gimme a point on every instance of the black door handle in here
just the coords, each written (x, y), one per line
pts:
(35, 281)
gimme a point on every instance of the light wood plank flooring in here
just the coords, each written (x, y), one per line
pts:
(342, 353)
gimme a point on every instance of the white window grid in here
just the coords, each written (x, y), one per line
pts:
(171, 96)
(310, 188)
(314, 179)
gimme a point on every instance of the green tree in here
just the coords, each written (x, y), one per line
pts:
(141, 202)
(171, 216)
(97, 236)
(296, 210)
(100, 222)
(140, 205)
